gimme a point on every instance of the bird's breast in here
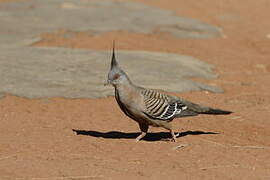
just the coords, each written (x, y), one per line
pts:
(129, 102)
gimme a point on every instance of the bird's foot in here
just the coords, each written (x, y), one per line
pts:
(173, 139)
(140, 136)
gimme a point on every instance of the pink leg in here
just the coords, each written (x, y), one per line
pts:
(144, 129)
(140, 136)
(173, 135)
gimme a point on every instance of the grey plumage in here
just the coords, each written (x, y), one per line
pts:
(149, 107)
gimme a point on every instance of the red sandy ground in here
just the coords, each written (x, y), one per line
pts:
(37, 140)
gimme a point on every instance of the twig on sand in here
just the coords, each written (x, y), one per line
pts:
(222, 166)
(180, 146)
(251, 147)
(6, 157)
(236, 146)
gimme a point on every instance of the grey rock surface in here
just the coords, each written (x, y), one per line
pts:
(48, 72)
(25, 20)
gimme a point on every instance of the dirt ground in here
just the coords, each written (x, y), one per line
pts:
(57, 138)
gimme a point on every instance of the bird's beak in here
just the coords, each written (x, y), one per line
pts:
(108, 82)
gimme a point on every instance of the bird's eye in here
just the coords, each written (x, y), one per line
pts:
(116, 76)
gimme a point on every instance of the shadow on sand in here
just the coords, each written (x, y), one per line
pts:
(157, 136)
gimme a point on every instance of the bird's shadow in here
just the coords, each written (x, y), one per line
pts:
(156, 136)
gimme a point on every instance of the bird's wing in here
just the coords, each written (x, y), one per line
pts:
(161, 106)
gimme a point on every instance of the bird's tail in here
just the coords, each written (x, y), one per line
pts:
(216, 111)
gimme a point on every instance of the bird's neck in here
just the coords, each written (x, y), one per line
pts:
(125, 89)
(127, 86)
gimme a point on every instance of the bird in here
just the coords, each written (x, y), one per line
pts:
(150, 107)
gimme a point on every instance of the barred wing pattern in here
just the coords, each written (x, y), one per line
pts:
(161, 106)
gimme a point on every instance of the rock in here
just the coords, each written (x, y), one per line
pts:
(46, 72)
(28, 19)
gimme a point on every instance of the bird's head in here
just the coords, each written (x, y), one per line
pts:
(116, 75)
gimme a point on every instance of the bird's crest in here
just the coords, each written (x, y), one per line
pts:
(116, 75)
(113, 61)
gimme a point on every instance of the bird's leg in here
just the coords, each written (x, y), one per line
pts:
(173, 135)
(169, 127)
(140, 136)
(144, 129)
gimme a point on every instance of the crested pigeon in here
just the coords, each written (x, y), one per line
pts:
(150, 107)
